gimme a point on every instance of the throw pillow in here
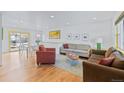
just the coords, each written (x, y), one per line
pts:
(106, 61)
(109, 51)
(95, 58)
(65, 45)
(119, 61)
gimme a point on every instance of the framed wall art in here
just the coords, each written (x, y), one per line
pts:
(54, 34)
(69, 36)
(85, 37)
(76, 37)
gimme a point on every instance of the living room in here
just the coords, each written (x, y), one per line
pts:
(25, 33)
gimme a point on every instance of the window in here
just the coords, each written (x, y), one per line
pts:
(120, 35)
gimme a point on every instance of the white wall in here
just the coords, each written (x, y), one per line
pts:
(97, 30)
(41, 22)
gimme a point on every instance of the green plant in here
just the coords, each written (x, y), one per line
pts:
(37, 41)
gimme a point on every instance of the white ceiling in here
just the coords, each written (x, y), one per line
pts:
(40, 19)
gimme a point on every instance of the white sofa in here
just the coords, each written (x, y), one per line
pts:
(81, 50)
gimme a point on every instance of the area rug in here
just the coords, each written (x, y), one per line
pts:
(65, 63)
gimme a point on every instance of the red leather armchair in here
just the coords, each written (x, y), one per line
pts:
(45, 55)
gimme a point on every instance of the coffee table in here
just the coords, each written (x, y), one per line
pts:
(72, 58)
(72, 66)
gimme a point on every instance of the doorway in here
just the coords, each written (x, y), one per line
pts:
(17, 39)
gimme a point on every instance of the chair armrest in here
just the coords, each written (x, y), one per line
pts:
(97, 52)
(93, 72)
(45, 55)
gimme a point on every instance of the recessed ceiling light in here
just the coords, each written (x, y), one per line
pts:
(52, 16)
(67, 23)
(94, 18)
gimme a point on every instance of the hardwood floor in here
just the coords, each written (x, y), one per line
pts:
(17, 68)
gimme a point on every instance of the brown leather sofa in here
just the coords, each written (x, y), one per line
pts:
(94, 72)
(45, 55)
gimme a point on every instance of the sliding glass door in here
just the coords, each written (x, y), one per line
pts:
(18, 40)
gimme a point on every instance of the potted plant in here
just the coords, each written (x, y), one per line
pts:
(37, 42)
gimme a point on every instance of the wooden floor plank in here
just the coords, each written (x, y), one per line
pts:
(18, 68)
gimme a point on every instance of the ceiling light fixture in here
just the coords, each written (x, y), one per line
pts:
(67, 23)
(94, 18)
(52, 16)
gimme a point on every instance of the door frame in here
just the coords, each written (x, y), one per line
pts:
(9, 37)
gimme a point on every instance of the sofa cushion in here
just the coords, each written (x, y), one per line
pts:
(83, 47)
(65, 46)
(109, 51)
(72, 46)
(68, 50)
(79, 51)
(95, 58)
(106, 61)
(118, 61)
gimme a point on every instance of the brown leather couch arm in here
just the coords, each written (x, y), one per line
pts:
(93, 72)
(98, 52)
